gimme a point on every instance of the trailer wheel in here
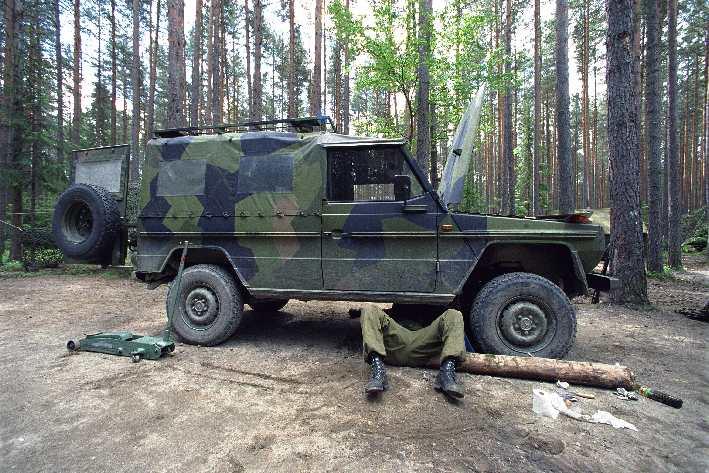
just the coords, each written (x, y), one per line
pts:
(209, 306)
(86, 223)
(522, 314)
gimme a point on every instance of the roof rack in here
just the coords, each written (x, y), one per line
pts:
(300, 125)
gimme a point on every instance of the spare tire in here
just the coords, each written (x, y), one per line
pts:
(86, 223)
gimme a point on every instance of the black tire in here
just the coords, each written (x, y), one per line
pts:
(209, 306)
(522, 314)
(423, 310)
(268, 305)
(86, 223)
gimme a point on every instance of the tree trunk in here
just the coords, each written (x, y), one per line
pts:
(114, 128)
(586, 188)
(563, 120)
(346, 84)
(434, 146)
(196, 85)
(34, 95)
(152, 79)
(76, 119)
(674, 250)
(247, 42)
(292, 111)
(423, 107)
(214, 54)
(637, 86)
(135, 103)
(12, 191)
(508, 181)
(315, 98)
(546, 369)
(706, 126)
(653, 111)
(99, 114)
(257, 109)
(536, 209)
(60, 87)
(6, 126)
(623, 153)
(176, 64)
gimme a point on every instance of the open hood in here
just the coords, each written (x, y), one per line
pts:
(450, 189)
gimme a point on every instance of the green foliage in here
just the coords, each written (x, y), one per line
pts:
(695, 244)
(12, 266)
(34, 259)
(694, 224)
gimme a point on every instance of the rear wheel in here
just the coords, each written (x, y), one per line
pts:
(268, 305)
(209, 306)
(522, 314)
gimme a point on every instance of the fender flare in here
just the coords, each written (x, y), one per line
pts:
(578, 271)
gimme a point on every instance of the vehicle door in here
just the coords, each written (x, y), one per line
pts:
(379, 223)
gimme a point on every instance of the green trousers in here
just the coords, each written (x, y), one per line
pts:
(443, 338)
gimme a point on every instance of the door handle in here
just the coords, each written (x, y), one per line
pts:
(338, 234)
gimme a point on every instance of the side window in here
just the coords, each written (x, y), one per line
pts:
(273, 173)
(181, 178)
(367, 174)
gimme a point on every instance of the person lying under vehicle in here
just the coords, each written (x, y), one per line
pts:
(413, 339)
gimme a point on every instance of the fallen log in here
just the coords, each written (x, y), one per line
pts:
(545, 369)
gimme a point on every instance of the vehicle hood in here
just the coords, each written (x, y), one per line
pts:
(450, 189)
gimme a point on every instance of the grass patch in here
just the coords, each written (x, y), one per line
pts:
(10, 270)
(667, 274)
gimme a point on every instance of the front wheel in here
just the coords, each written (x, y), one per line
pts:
(209, 306)
(522, 314)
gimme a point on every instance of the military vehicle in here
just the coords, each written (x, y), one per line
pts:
(286, 209)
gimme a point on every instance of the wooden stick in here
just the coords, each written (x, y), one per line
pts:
(545, 369)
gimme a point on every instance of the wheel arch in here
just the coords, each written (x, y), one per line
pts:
(201, 255)
(556, 261)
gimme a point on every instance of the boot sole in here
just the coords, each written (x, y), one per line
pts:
(376, 390)
(453, 394)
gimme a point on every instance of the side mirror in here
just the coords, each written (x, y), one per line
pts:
(402, 187)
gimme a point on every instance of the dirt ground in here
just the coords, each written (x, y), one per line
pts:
(285, 394)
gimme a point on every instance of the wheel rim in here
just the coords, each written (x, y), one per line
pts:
(526, 325)
(201, 307)
(78, 222)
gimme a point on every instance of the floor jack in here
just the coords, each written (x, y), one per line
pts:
(137, 347)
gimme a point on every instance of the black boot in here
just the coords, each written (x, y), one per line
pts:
(378, 378)
(446, 380)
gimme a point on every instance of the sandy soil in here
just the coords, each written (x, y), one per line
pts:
(285, 394)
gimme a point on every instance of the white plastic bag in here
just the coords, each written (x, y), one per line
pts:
(603, 417)
(546, 404)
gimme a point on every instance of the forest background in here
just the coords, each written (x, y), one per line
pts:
(581, 112)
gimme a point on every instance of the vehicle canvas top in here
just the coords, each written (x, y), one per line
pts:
(235, 174)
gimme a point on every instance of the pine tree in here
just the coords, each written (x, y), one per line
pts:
(563, 122)
(176, 82)
(624, 154)
(316, 92)
(60, 86)
(135, 105)
(196, 85)
(257, 92)
(653, 112)
(423, 105)
(536, 209)
(674, 194)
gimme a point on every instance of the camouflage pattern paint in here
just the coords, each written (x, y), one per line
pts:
(289, 239)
